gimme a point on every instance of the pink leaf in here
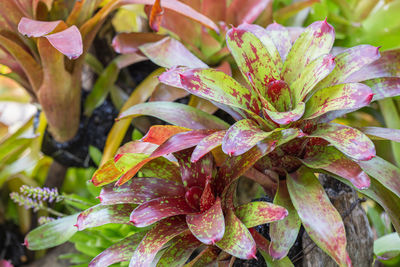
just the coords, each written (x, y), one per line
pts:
(68, 42)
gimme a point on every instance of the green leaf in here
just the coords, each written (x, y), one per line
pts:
(95, 154)
(106, 174)
(283, 233)
(319, 217)
(259, 212)
(387, 246)
(52, 234)
(316, 40)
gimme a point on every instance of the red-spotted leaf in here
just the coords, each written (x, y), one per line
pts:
(189, 117)
(315, 41)
(128, 43)
(169, 52)
(350, 141)
(280, 36)
(124, 162)
(51, 234)
(36, 28)
(208, 226)
(238, 12)
(140, 190)
(207, 144)
(317, 70)
(217, 86)
(384, 133)
(384, 87)
(103, 214)
(348, 62)
(283, 233)
(179, 251)
(237, 240)
(287, 116)
(106, 174)
(338, 97)
(156, 238)
(162, 168)
(181, 141)
(319, 217)
(255, 54)
(120, 251)
(242, 136)
(158, 134)
(332, 160)
(158, 209)
(259, 212)
(68, 42)
(384, 172)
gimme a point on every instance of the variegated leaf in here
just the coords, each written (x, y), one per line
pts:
(315, 41)
(338, 97)
(189, 117)
(384, 172)
(384, 87)
(158, 134)
(208, 226)
(158, 209)
(156, 238)
(350, 141)
(106, 174)
(384, 133)
(332, 160)
(319, 217)
(140, 190)
(280, 36)
(120, 251)
(259, 212)
(162, 168)
(287, 116)
(179, 251)
(207, 144)
(103, 214)
(242, 136)
(283, 233)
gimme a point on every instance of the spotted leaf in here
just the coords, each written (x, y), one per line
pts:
(287, 116)
(319, 217)
(106, 174)
(259, 212)
(158, 134)
(207, 144)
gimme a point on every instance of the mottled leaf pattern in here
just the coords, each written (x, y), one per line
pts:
(158, 209)
(140, 190)
(103, 214)
(158, 134)
(155, 239)
(332, 160)
(106, 174)
(384, 172)
(288, 116)
(189, 117)
(319, 217)
(384, 87)
(350, 141)
(208, 226)
(283, 233)
(384, 133)
(242, 136)
(207, 144)
(316, 40)
(280, 36)
(120, 251)
(259, 212)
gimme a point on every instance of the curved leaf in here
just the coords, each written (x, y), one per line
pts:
(103, 214)
(68, 42)
(140, 190)
(288, 116)
(259, 212)
(158, 209)
(36, 28)
(338, 97)
(208, 226)
(207, 144)
(332, 160)
(120, 251)
(238, 13)
(280, 36)
(206, 258)
(155, 239)
(128, 43)
(106, 174)
(242, 136)
(283, 233)
(319, 217)
(384, 87)
(315, 41)
(384, 133)
(189, 117)
(158, 134)
(350, 141)
(51, 234)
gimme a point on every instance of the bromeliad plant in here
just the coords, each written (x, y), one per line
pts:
(294, 91)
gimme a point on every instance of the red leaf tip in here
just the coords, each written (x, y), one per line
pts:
(252, 255)
(26, 243)
(369, 98)
(117, 157)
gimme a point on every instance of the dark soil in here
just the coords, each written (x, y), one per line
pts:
(11, 244)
